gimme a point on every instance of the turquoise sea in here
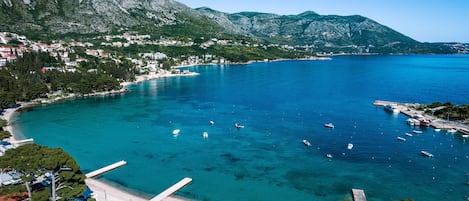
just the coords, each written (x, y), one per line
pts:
(280, 104)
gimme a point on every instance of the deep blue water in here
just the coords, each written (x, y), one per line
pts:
(280, 104)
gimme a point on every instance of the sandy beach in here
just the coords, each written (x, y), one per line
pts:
(105, 192)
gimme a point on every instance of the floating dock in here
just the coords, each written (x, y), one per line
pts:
(171, 190)
(105, 169)
(358, 195)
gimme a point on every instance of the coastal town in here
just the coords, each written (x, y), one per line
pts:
(71, 57)
(148, 65)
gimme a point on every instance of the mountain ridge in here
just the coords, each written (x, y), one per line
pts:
(317, 32)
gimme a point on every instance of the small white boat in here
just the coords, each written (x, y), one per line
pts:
(437, 130)
(205, 135)
(408, 134)
(465, 136)
(306, 143)
(238, 125)
(329, 155)
(427, 154)
(417, 131)
(329, 125)
(392, 108)
(350, 146)
(410, 121)
(401, 139)
(176, 131)
(452, 130)
(211, 122)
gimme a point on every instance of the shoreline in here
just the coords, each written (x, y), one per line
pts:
(103, 191)
(99, 187)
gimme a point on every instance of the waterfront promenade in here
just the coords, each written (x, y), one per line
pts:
(409, 110)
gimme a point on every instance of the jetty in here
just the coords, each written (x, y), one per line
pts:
(21, 142)
(171, 190)
(408, 110)
(358, 195)
(105, 169)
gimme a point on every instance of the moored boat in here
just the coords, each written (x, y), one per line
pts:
(306, 143)
(408, 134)
(350, 146)
(437, 130)
(417, 131)
(427, 154)
(329, 125)
(329, 155)
(452, 130)
(401, 139)
(238, 125)
(176, 131)
(205, 135)
(392, 108)
(410, 121)
(211, 122)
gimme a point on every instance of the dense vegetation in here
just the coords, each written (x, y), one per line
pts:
(3, 134)
(447, 110)
(25, 79)
(34, 160)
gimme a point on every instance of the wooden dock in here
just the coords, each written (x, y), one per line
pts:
(105, 169)
(171, 190)
(358, 195)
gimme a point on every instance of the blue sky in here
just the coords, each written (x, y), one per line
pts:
(422, 20)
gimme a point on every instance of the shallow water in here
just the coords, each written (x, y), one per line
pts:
(280, 104)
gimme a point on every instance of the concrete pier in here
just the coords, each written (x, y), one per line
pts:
(171, 190)
(358, 195)
(21, 142)
(105, 169)
(406, 109)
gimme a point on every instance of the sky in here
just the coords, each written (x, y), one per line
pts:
(422, 20)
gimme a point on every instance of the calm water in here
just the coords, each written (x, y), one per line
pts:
(280, 104)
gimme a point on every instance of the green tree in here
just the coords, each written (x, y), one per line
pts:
(34, 159)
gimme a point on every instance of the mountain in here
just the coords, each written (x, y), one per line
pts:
(310, 28)
(171, 18)
(93, 16)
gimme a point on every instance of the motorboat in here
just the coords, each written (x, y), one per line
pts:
(306, 143)
(410, 121)
(408, 134)
(401, 139)
(427, 154)
(452, 130)
(211, 122)
(329, 125)
(392, 108)
(424, 122)
(417, 132)
(350, 146)
(465, 136)
(238, 125)
(176, 131)
(205, 135)
(437, 130)
(329, 155)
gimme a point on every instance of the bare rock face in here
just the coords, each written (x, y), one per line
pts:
(309, 28)
(88, 16)
(94, 16)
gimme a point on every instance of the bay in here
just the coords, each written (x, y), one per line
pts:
(280, 104)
